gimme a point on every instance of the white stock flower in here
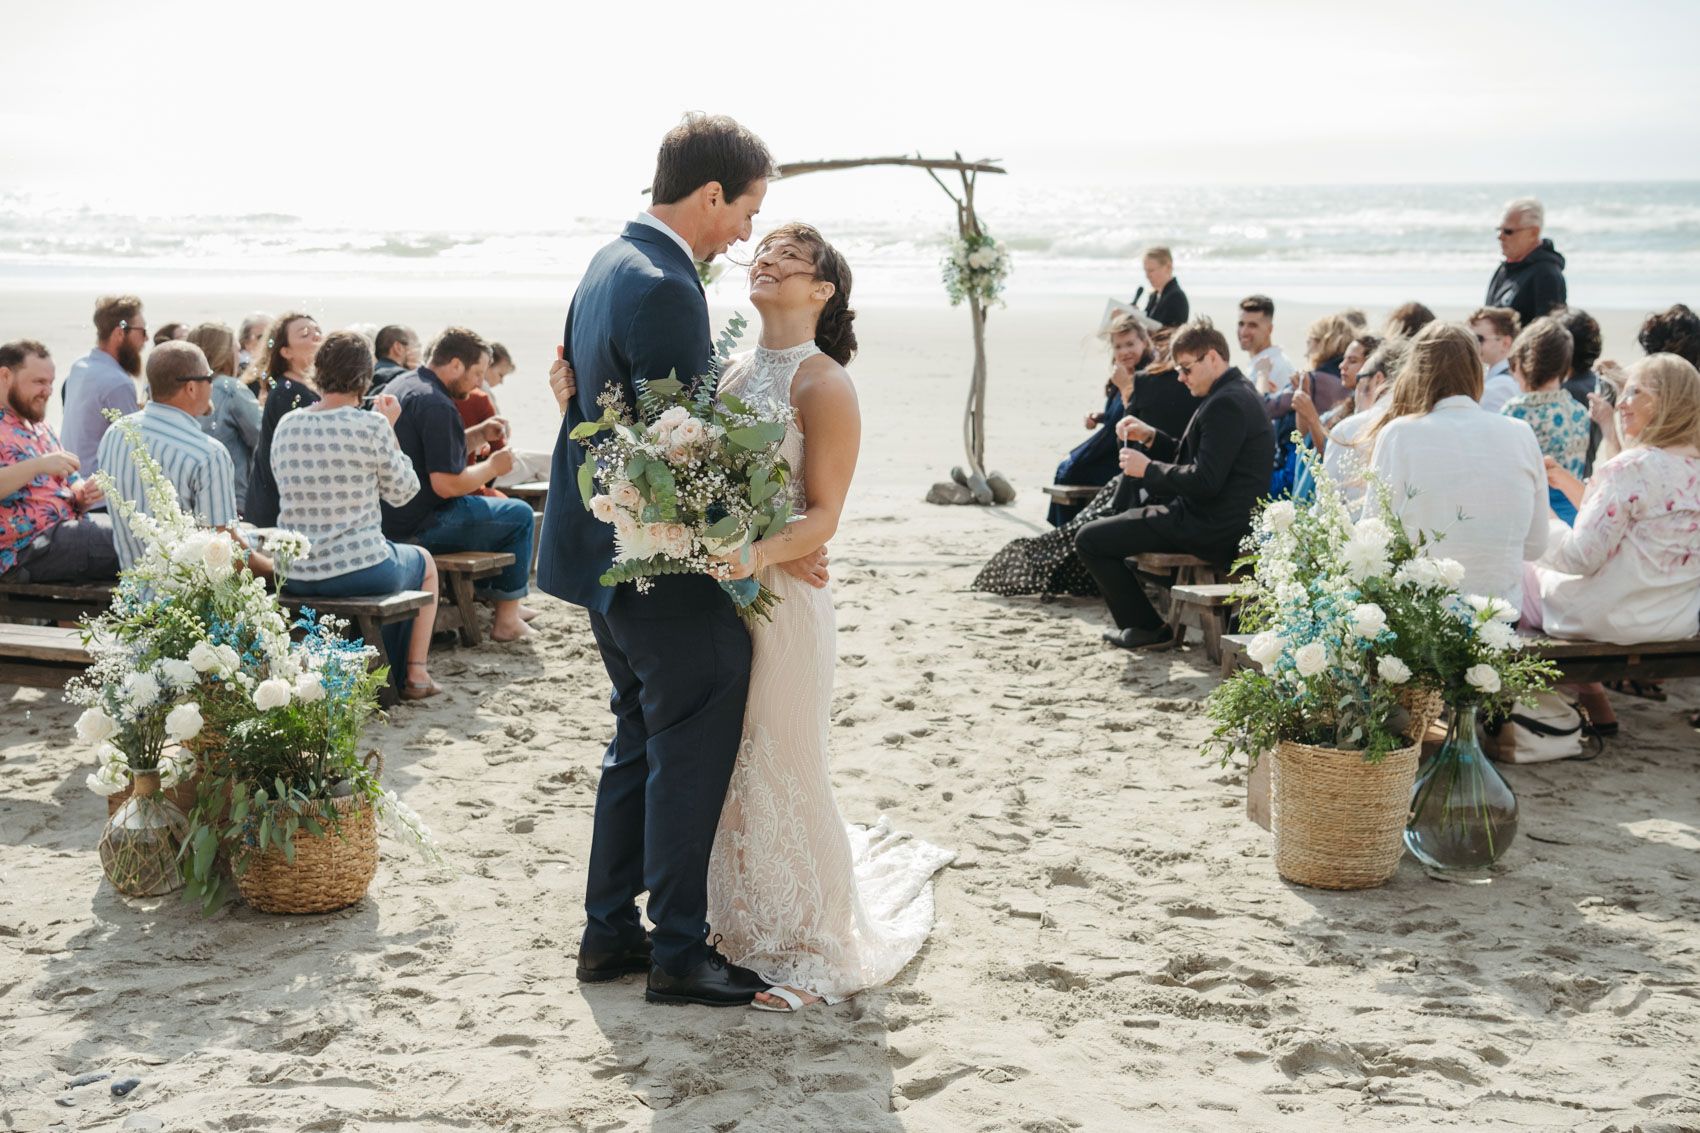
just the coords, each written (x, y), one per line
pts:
(1368, 619)
(1484, 677)
(1280, 515)
(272, 693)
(1311, 659)
(1265, 649)
(1496, 608)
(1497, 636)
(182, 674)
(1451, 572)
(183, 722)
(204, 658)
(309, 689)
(1393, 670)
(95, 726)
(140, 690)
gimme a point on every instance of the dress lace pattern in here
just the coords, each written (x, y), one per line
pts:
(795, 893)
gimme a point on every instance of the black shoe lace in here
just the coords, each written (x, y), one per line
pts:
(715, 959)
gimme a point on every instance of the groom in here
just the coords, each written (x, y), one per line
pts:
(679, 656)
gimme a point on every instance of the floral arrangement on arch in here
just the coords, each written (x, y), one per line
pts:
(1350, 613)
(978, 266)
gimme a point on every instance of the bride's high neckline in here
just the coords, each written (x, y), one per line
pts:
(787, 353)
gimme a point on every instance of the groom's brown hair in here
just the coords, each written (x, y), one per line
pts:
(705, 148)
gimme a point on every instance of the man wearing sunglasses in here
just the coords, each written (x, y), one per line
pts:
(1531, 280)
(105, 378)
(179, 394)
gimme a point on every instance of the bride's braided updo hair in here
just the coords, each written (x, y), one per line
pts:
(833, 332)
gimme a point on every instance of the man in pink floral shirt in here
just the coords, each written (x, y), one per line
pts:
(46, 531)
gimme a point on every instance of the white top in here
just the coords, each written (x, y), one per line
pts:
(1344, 460)
(1629, 571)
(660, 225)
(1279, 371)
(1475, 480)
(1499, 386)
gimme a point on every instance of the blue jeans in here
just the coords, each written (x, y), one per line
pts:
(404, 569)
(485, 523)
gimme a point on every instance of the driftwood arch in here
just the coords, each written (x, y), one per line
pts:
(980, 487)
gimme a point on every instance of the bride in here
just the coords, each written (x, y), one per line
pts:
(819, 909)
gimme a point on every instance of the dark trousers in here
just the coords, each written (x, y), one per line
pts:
(78, 550)
(678, 704)
(1105, 544)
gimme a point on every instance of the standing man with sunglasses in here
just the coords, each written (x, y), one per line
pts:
(168, 426)
(105, 378)
(1531, 280)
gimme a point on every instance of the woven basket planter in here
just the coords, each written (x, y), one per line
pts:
(1424, 706)
(331, 871)
(1339, 821)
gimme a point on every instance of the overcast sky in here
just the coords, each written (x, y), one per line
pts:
(449, 113)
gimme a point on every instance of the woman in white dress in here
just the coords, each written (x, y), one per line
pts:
(819, 909)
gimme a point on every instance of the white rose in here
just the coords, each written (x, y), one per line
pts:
(689, 432)
(1265, 649)
(602, 507)
(1311, 659)
(309, 689)
(273, 693)
(626, 495)
(1393, 670)
(219, 557)
(1280, 515)
(203, 658)
(1368, 620)
(1497, 636)
(183, 722)
(228, 659)
(108, 779)
(140, 689)
(1484, 677)
(1451, 572)
(95, 726)
(180, 673)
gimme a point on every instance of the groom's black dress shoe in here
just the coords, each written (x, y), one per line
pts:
(714, 982)
(1134, 638)
(598, 966)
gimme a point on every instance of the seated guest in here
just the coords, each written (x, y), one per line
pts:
(105, 378)
(1586, 346)
(251, 341)
(1268, 367)
(1325, 348)
(1167, 303)
(47, 533)
(1345, 458)
(398, 352)
(1315, 423)
(170, 332)
(447, 514)
(1406, 320)
(478, 406)
(1540, 360)
(291, 345)
(235, 418)
(1675, 330)
(1093, 462)
(1219, 470)
(1472, 480)
(334, 462)
(1496, 329)
(199, 468)
(1629, 570)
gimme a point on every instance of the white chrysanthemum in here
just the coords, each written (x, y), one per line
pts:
(1393, 670)
(141, 690)
(181, 674)
(1484, 677)
(1451, 572)
(1365, 557)
(1497, 635)
(1496, 608)
(1311, 659)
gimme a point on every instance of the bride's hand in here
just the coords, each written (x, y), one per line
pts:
(731, 568)
(562, 382)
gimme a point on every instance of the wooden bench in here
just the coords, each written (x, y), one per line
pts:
(41, 656)
(1211, 601)
(1073, 495)
(456, 572)
(535, 493)
(54, 601)
(1172, 569)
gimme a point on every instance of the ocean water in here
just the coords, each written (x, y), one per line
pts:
(1630, 245)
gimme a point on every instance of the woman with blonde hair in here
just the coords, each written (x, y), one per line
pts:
(234, 420)
(1313, 396)
(1471, 481)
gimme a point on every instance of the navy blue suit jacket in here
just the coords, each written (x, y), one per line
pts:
(639, 313)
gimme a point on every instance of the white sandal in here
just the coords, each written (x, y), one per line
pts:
(793, 1001)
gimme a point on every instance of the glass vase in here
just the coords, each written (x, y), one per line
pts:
(139, 847)
(1463, 814)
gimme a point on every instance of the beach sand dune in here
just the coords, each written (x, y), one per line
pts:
(1114, 950)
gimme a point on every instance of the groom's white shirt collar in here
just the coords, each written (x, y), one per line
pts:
(660, 225)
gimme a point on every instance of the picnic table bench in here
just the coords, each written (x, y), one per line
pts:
(41, 656)
(456, 572)
(1073, 495)
(1171, 570)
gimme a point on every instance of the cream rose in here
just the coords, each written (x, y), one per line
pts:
(1393, 670)
(1483, 677)
(1265, 649)
(625, 494)
(270, 694)
(1368, 620)
(1311, 659)
(95, 726)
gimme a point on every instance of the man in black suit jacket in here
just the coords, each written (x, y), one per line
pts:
(1168, 303)
(1220, 469)
(679, 656)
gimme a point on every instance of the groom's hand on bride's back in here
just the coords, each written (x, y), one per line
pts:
(810, 569)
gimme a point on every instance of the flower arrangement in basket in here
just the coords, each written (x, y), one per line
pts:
(978, 266)
(690, 476)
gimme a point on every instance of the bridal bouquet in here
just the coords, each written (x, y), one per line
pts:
(691, 475)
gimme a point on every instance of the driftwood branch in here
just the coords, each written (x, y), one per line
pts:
(796, 168)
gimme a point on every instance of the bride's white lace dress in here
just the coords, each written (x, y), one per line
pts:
(797, 895)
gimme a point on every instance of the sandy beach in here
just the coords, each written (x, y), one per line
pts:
(1114, 949)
